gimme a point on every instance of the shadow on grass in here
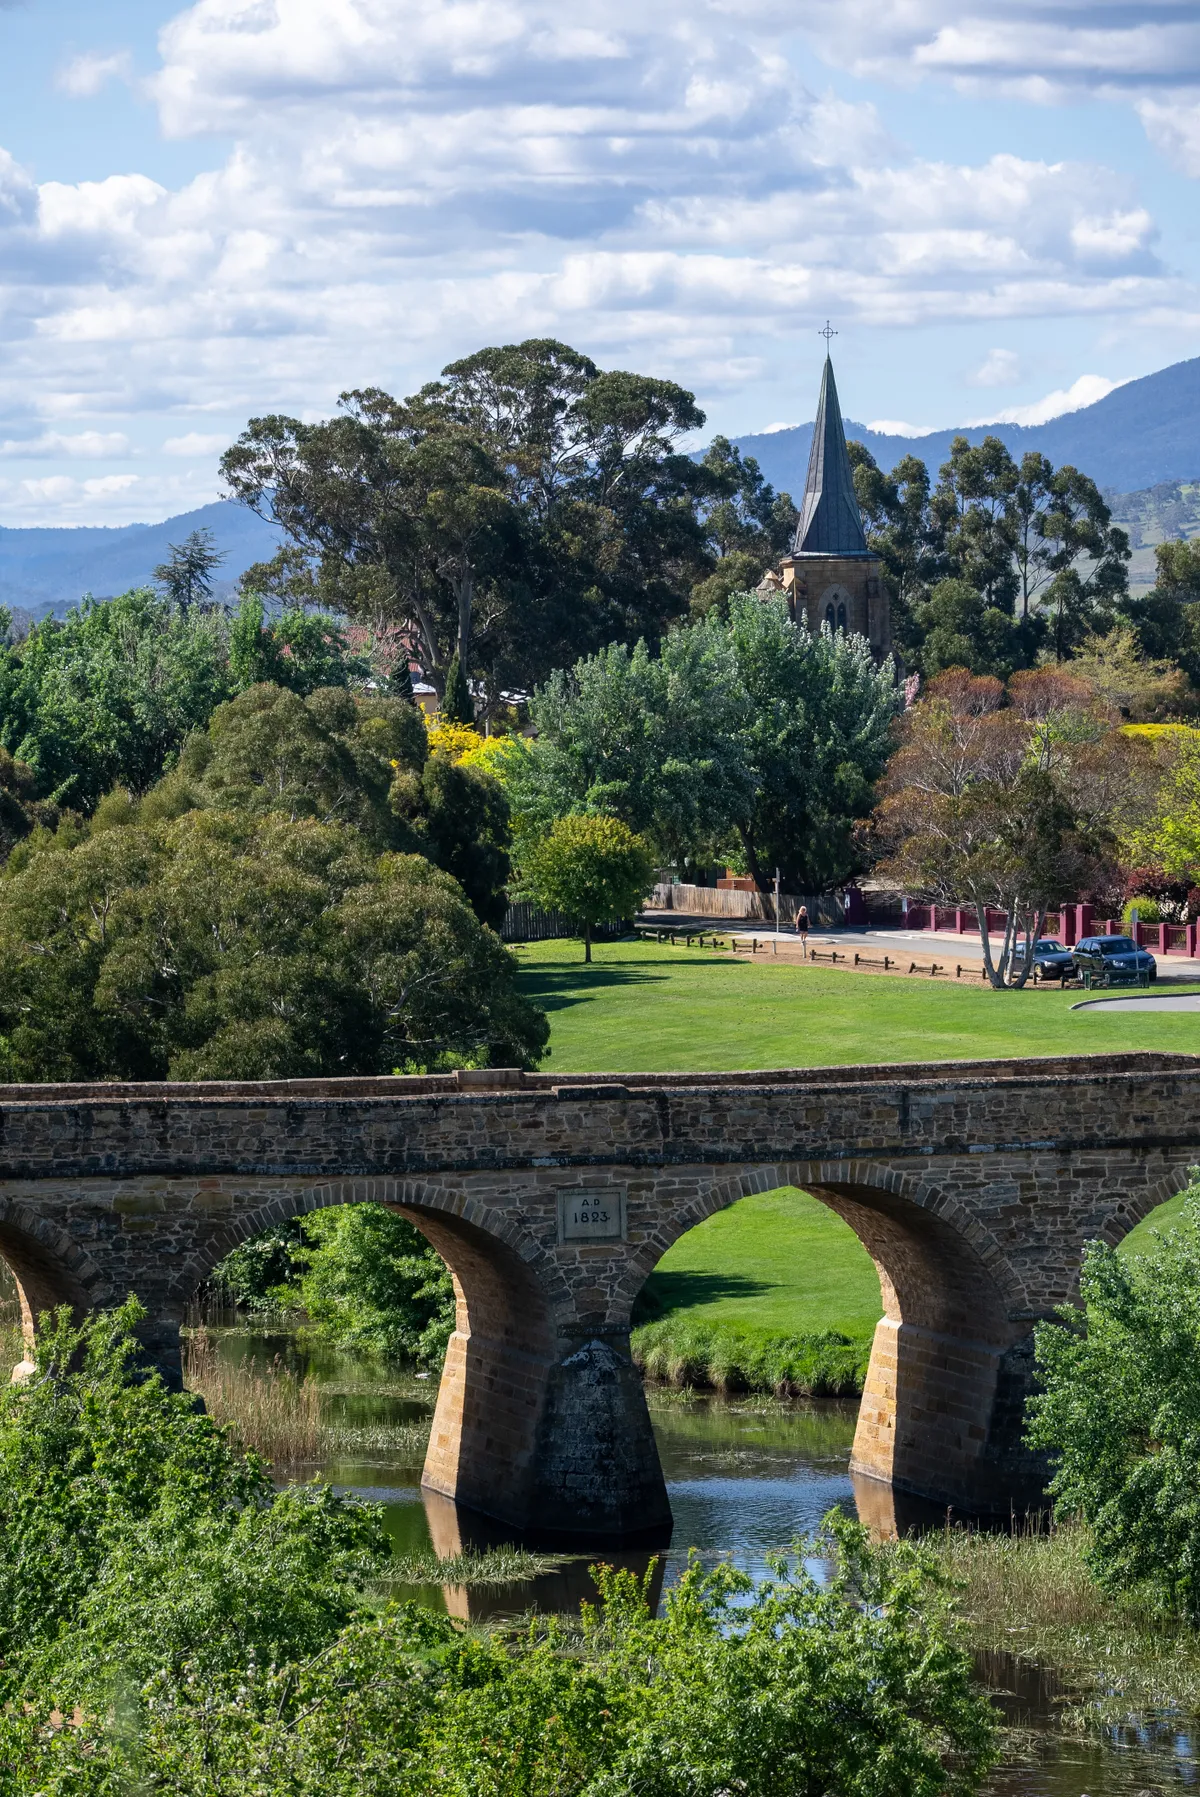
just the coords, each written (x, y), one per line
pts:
(555, 988)
(664, 1292)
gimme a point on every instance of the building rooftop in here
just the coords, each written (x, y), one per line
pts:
(830, 521)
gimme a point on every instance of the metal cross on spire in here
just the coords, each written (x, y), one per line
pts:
(827, 333)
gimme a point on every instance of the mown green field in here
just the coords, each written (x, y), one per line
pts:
(781, 1263)
(645, 1007)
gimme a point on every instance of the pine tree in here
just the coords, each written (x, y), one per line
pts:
(456, 699)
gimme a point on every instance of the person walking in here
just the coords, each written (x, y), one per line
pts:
(802, 928)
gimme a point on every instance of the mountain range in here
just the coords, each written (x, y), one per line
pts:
(1137, 436)
(49, 568)
(1143, 435)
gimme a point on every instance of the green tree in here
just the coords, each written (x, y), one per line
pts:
(456, 697)
(107, 695)
(371, 1283)
(224, 944)
(1167, 619)
(20, 810)
(1119, 1414)
(747, 524)
(853, 1685)
(593, 868)
(653, 739)
(744, 735)
(814, 738)
(187, 578)
(1012, 807)
(524, 508)
(959, 630)
(338, 756)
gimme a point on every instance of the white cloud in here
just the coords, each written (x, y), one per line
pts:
(196, 443)
(1173, 127)
(999, 368)
(896, 427)
(86, 75)
(92, 444)
(410, 179)
(1083, 392)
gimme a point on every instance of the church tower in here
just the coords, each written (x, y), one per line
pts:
(831, 577)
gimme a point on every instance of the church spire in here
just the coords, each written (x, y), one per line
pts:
(830, 522)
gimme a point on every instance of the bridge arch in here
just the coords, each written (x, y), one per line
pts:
(939, 1268)
(1125, 1216)
(48, 1268)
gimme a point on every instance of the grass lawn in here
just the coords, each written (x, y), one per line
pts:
(645, 1007)
(781, 1262)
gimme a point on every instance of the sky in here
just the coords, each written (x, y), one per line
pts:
(249, 206)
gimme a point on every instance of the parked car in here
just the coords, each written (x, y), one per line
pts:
(1107, 958)
(1051, 961)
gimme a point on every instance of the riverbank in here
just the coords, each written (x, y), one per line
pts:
(1029, 1595)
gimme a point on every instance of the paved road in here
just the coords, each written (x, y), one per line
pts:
(945, 947)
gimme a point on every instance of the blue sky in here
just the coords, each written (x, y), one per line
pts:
(245, 206)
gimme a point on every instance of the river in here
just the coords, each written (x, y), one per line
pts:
(746, 1477)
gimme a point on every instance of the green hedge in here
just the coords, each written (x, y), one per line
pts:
(732, 1357)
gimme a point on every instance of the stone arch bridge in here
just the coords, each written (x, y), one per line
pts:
(974, 1187)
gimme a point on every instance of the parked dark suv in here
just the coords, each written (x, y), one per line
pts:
(1051, 961)
(1108, 958)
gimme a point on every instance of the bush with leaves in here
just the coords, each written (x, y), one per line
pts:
(1120, 1414)
(134, 1537)
(790, 1688)
(369, 1281)
(349, 758)
(107, 695)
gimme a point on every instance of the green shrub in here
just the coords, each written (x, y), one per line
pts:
(732, 1357)
(134, 1536)
(1149, 911)
(854, 1686)
(1120, 1414)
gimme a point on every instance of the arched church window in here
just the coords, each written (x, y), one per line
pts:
(829, 616)
(841, 617)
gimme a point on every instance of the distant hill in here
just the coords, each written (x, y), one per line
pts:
(1141, 435)
(47, 570)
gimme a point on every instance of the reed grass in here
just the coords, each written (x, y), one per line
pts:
(1030, 1594)
(482, 1566)
(269, 1410)
(683, 1350)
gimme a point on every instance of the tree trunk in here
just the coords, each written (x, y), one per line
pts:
(996, 978)
(587, 942)
(1039, 925)
(752, 861)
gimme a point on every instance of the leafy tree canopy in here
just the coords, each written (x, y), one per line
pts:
(134, 1537)
(593, 868)
(1034, 544)
(1119, 1414)
(343, 757)
(187, 577)
(744, 735)
(1007, 801)
(234, 944)
(525, 507)
(107, 695)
